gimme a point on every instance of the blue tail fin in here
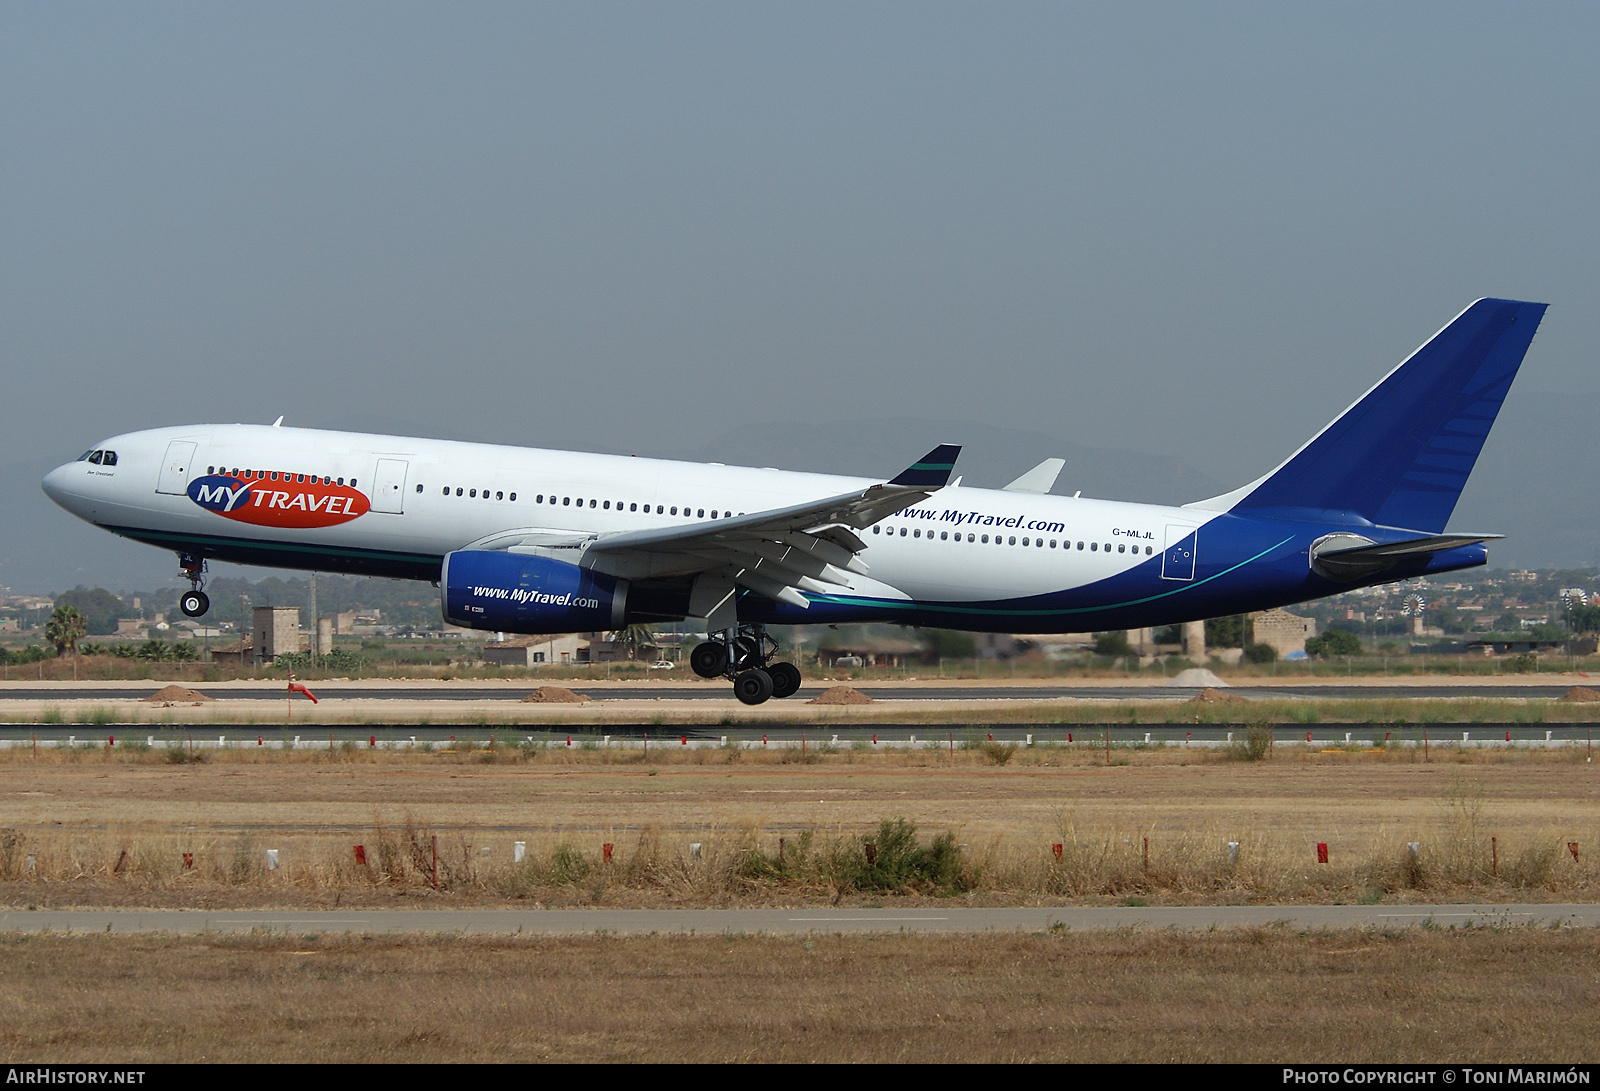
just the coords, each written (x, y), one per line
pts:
(1400, 456)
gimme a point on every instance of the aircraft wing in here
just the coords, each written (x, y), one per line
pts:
(778, 553)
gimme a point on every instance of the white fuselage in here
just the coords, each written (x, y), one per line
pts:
(962, 544)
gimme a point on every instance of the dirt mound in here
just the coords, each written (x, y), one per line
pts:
(175, 695)
(1210, 696)
(840, 695)
(555, 695)
(1197, 676)
(1581, 693)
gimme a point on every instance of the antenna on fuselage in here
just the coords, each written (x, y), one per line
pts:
(279, 422)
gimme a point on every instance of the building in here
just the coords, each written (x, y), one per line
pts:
(132, 627)
(539, 651)
(274, 631)
(1282, 631)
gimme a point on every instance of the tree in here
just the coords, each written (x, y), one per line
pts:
(1260, 653)
(100, 608)
(1507, 623)
(1113, 643)
(949, 644)
(1583, 619)
(635, 638)
(1334, 642)
(1231, 631)
(65, 628)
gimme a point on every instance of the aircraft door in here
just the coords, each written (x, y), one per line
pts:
(389, 486)
(175, 467)
(1177, 560)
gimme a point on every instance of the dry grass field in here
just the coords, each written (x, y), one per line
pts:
(96, 828)
(1266, 995)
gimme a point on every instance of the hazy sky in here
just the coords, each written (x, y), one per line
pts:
(1192, 229)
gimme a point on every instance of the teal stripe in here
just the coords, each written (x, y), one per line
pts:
(929, 607)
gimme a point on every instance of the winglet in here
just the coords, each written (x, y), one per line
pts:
(1041, 478)
(932, 470)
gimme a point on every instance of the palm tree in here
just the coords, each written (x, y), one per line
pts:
(65, 628)
(635, 637)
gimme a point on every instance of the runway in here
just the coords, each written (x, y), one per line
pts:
(777, 733)
(922, 691)
(572, 922)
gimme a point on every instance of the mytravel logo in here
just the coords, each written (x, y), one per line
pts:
(289, 503)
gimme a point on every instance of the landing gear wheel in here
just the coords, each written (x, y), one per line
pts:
(709, 660)
(753, 687)
(747, 654)
(194, 603)
(785, 679)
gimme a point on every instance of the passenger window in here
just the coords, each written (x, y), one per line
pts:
(566, 501)
(446, 489)
(1147, 551)
(591, 503)
(352, 482)
(1094, 546)
(1012, 540)
(633, 507)
(273, 475)
(658, 509)
(540, 499)
(674, 511)
(1080, 545)
(985, 539)
(1121, 548)
(1052, 543)
(944, 535)
(341, 481)
(1024, 541)
(513, 496)
(701, 514)
(211, 469)
(419, 488)
(499, 496)
(917, 533)
(608, 505)
(301, 478)
(1108, 547)
(473, 493)
(902, 532)
(877, 530)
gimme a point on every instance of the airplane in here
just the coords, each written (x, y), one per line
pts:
(522, 540)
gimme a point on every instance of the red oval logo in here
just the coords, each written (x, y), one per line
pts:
(288, 504)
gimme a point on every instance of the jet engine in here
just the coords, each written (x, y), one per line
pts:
(520, 593)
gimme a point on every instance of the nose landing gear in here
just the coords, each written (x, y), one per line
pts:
(744, 655)
(193, 602)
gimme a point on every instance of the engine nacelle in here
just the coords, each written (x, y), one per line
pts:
(518, 593)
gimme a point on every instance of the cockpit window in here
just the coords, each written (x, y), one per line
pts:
(110, 459)
(85, 456)
(94, 459)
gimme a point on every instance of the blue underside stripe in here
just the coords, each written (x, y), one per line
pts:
(888, 604)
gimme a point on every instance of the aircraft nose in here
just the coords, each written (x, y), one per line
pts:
(56, 485)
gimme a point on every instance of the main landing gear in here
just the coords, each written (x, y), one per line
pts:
(744, 655)
(193, 602)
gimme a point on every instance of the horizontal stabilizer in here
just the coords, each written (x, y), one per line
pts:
(1041, 478)
(1345, 557)
(932, 470)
